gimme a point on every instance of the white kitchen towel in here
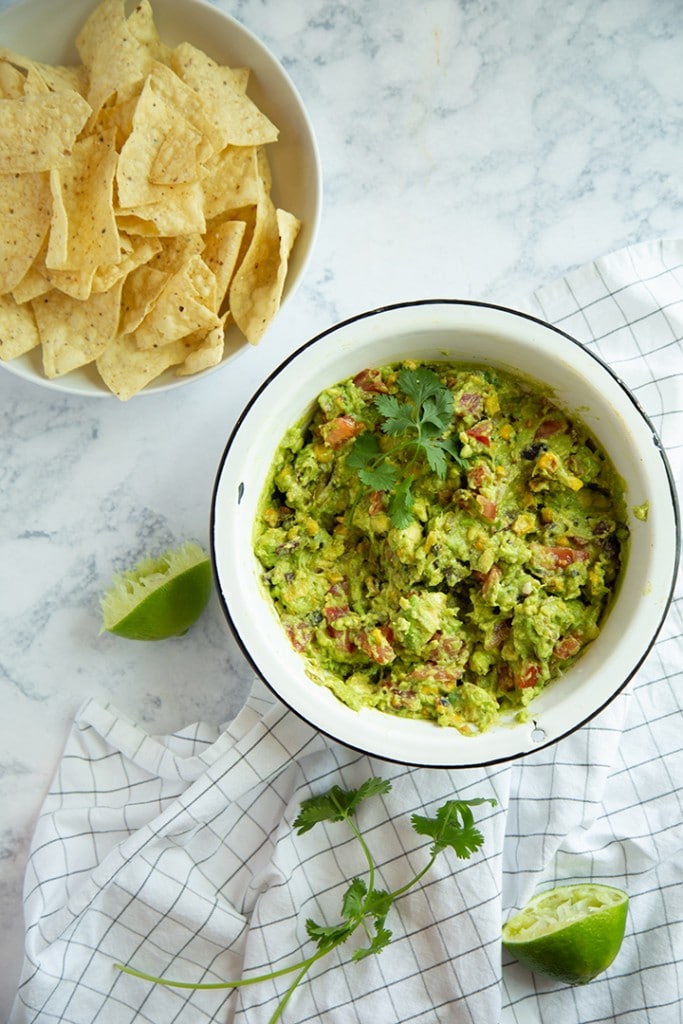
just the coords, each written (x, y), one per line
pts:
(177, 855)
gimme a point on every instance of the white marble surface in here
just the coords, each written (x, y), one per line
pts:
(471, 149)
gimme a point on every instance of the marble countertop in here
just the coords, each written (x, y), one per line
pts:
(470, 149)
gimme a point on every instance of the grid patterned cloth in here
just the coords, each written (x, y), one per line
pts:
(176, 854)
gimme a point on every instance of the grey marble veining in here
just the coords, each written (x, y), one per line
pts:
(470, 150)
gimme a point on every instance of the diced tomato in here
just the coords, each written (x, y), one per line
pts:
(567, 647)
(376, 503)
(343, 640)
(477, 476)
(340, 430)
(549, 427)
(481, 432)
(561, 557)
(334, 612)
(300, 635)
(437, 673)
(528, 675)
(370, 380)
(441, 646)
(490, 579)
(376, 645)
(499, 634)
(470, 401)
(488, 508)
(565, 556)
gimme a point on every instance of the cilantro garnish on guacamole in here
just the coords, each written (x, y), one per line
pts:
(440, 541)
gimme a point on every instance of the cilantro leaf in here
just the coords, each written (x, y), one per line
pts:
(353, 904)
(419, 384)
(453, 825)
(437, 410)
(381, 478)
(401, 503)
(328, 936)
(419, 418)
(378, 903)
(449, 445)
(365, 448)
(436, 457)
(336, 804)
(380, 940)
(397, 416)
(367, 457)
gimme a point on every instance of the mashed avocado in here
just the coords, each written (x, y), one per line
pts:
(440, 541)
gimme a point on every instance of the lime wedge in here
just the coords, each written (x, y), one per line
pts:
(571, 933)
(160, 597)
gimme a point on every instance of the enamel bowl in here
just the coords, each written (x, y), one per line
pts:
(464, 332)
(46, 31)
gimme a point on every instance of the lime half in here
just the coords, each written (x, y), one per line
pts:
(159, 597)
(571, 933)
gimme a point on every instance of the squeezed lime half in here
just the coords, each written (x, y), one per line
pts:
(159, 597)
(571, 933)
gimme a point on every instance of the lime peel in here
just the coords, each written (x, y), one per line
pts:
(160, 596)
(571, 933)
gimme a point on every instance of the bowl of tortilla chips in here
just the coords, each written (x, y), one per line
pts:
(160, 192)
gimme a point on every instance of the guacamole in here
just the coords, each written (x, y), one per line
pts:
(440, 541)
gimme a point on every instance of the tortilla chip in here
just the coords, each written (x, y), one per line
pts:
(117, 115)
(256, 289)
(11, 81)
(207, 353)
(74, 333)
(127, 369)
(83, 233)
(230, 180)
(145, 152)
(32, 284)
(236, 120)
(56, 77)
(34, 84)
(25, 209)
(62, 78)
(141, 290)
(113, 54)
(178, 95)
(221, 251)
(184, 305)
(134, 225)
(142, 27)
(176, 252)
(18, 329)
(134, 253)
(38, 132)
(240, 78)
(173, 208)
(181, 212)
(75, 283)
(178, 158)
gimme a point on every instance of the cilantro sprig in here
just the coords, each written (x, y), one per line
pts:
(364, 907)
(419, 418)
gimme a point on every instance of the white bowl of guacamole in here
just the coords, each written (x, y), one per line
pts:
(444, 533)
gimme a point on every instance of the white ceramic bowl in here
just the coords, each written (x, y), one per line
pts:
(46, 29)
(469, 332)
